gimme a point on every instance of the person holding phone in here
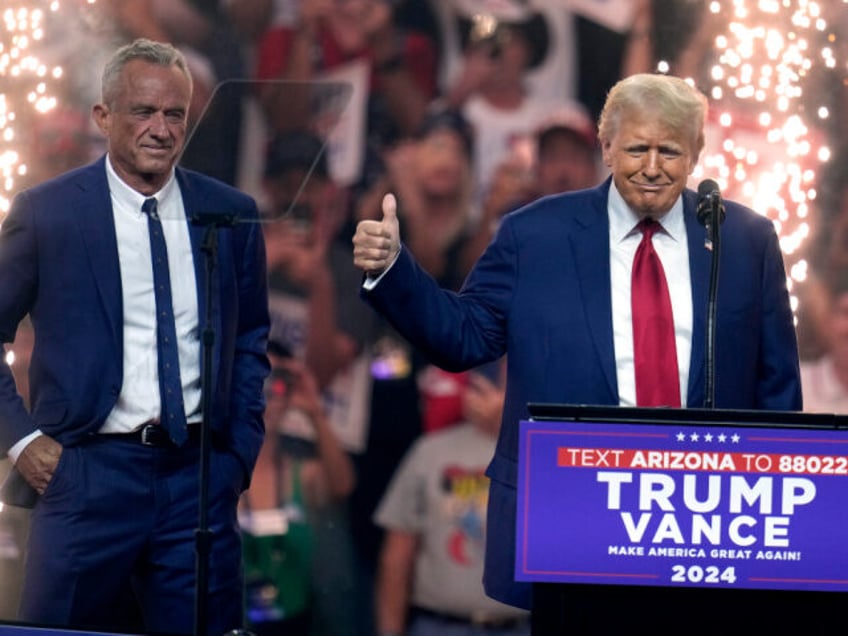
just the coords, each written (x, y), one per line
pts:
(491, 90)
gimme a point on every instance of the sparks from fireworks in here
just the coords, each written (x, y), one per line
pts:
(762, 149)
(22, 29)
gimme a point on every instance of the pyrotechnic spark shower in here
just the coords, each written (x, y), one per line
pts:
(765, 146)
(25, 81)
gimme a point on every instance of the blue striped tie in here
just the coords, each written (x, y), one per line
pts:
(172, 417)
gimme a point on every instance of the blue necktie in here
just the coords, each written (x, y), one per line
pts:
(172, 417)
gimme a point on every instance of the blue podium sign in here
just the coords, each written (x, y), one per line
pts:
(677, 505)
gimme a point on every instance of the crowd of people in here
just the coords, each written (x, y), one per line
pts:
(374, 459)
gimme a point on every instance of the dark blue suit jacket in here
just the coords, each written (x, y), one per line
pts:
(59, 263)
(541, 294)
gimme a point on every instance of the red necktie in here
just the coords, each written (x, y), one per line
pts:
(654, 350)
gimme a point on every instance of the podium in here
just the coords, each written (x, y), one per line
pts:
(663, 521)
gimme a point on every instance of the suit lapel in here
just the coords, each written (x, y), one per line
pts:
(590, 243)
(193, 202)
(96, 224)
(700, 262)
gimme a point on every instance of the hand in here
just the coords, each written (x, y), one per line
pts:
(38, 462)
(376, 243)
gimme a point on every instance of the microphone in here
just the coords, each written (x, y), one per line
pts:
(710, 210)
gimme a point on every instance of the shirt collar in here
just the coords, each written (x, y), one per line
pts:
(623, 220)
(132, 199)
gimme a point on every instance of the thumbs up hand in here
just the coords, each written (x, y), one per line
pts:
(376, 243)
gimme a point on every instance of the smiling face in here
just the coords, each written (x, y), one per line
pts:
(650, 163)
(145, 123)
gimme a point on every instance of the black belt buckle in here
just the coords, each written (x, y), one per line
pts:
(154, 435)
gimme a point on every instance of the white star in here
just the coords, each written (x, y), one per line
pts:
(694, 437)
(735, 438)
(708, 437)
(722, 438)
(681, 437)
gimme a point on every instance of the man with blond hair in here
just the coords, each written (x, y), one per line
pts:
(557, 291)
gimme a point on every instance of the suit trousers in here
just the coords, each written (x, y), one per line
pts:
(118, 514)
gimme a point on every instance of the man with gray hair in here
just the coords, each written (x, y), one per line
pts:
(110, 271)
(599, 296)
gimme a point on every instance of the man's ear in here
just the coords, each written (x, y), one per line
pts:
(605, 153)
(101, 116)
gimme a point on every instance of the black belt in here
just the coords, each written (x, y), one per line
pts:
(480, 621)
(152, 434)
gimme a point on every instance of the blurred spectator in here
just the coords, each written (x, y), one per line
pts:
(395, 422)
(313, 310)
(291, 386)
(317, 315)
(562, 155)
(491, 90)
(585, 54)
(430, 177)
(825, 381)
(553, 73)
(310, 481)
(566, 153)
(327, 35)
(434, 513)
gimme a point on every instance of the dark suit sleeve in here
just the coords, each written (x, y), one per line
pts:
(18, 279)
(779, 385)
(250, 363)
(456, 331)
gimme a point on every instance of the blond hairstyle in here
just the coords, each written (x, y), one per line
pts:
(670, 99)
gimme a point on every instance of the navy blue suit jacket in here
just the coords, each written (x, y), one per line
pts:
(59, 263)
(541, 293)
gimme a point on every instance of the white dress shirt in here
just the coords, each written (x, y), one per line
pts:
(673, 250)
(139, 400)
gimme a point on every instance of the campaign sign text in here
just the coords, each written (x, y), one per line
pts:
(682, 505)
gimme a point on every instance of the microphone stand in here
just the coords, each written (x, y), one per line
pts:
(203, 535)
(713, 243)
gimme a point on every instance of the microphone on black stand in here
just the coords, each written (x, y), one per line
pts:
(211, 222)
(710, 209)
(710, 214)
